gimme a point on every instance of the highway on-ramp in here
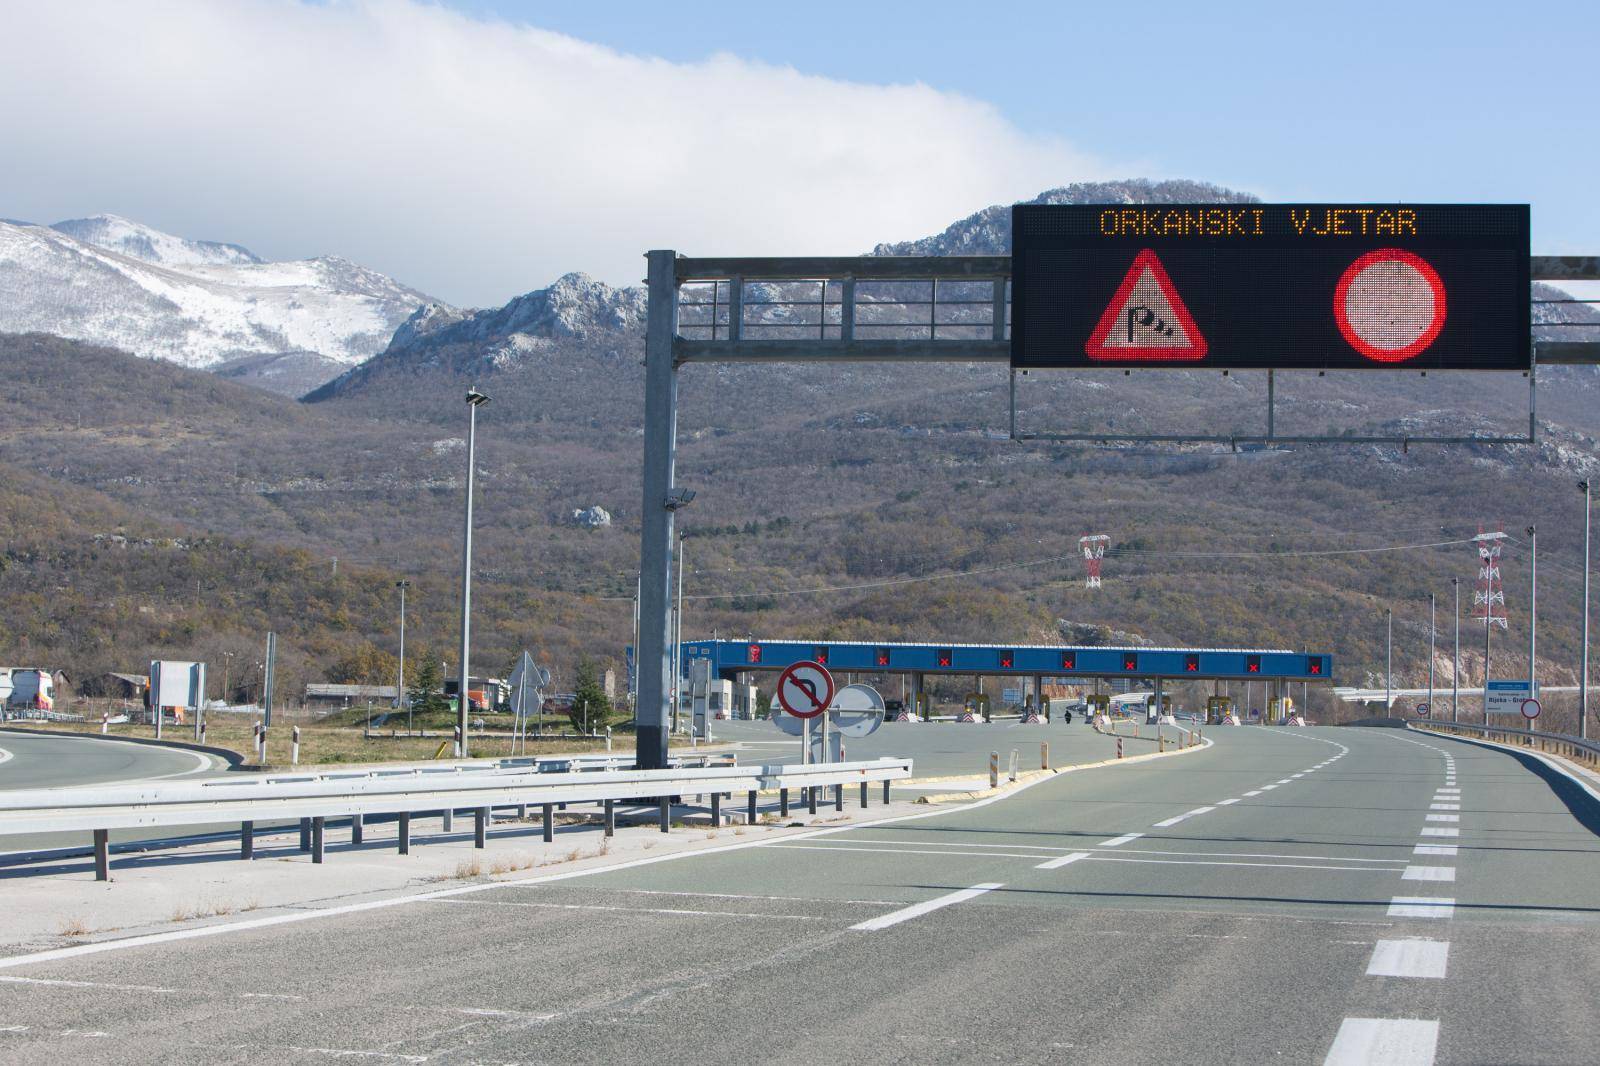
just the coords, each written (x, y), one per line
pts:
(1318, 895)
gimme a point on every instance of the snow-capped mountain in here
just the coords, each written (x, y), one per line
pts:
(286, 326)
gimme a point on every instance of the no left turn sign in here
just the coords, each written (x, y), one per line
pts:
(805, 689)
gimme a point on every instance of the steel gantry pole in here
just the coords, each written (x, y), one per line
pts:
(1433, 629)
(661, 500)
(1583, 675)
(1455, 659)
(475, 400)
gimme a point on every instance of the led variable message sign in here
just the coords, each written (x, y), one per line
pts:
(1286, 286)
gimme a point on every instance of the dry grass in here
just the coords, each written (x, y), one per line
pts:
(214, 909)
(73, 927)
(468, 868)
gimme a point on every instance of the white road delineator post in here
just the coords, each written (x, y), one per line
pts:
(294, 747)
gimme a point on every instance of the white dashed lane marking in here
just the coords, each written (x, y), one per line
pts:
(1384, 1042)
(884, 921)
(1422, 907)
(1117, 842)
(1429, 873)
(1439, 831)
(1064, 860)
(1434, 849)
(1409, 958)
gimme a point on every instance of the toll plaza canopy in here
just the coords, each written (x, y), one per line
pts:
(730, 657)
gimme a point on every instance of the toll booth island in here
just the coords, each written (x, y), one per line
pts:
(1042, 664)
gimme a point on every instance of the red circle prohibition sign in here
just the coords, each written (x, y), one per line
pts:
(1390, 305)
(805, 689)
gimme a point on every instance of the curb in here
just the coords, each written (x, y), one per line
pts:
(1034, 775)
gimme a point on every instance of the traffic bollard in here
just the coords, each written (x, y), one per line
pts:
(458, 741)
(105, 724)
(1119, 747)
(294, 746)
(1044, 755)
(994, 769)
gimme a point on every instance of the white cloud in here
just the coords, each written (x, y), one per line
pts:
(474, 159)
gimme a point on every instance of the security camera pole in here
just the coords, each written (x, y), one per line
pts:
(475, 400)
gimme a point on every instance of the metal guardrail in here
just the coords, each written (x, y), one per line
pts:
(314, 798)
(1584, 751)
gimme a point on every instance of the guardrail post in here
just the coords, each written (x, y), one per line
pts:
(811, 799)
(752, 806)
(716, 809)
(886, 793)
(783, 802)
(102, 855)
(994, 769)
(611, 817)
(357, 828)
(247, 840)
(480, 826)
(449, 817)
(838, 796)
(1044, 755)
(549, 822)
(666, 814)
(863, 795)
(317, 823)
(405, 832)
(522, 812)
(305, 834)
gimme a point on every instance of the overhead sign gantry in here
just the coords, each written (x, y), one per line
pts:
(1271, 286)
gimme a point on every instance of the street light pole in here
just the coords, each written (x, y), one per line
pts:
(400, 683)
(1388, 669)
(1455, 662)
(1533, 611)
(1583, 676)
(475, 400)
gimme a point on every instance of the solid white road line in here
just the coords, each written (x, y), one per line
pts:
(1422, 907)
(1429, 873)
(1434, 849)
(1384, 1042)
(538, 905)
(1409, 958)
(847, 847)
(1127, 857)
(1117, 842)
(1175, 819)
(1065, 860)
(1436, 831)
(916, 910)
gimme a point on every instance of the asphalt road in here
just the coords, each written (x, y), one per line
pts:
(946, 749)
(1319, 895)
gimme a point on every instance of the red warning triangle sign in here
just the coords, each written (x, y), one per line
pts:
(1146, 321)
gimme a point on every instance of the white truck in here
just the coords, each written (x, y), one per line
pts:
(29, 689)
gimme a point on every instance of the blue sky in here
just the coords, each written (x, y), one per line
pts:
(1403, 100)
(477, 149)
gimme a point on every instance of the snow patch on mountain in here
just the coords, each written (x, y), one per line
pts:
(200, 304)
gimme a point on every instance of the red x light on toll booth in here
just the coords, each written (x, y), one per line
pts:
(1191, 663)
(1252, 664)
(1314, 666)
(1069, 660)
(819, 655)
(883, 656)
(1008, 659)
(945, 657)
(753, 653)
(1130, 662)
